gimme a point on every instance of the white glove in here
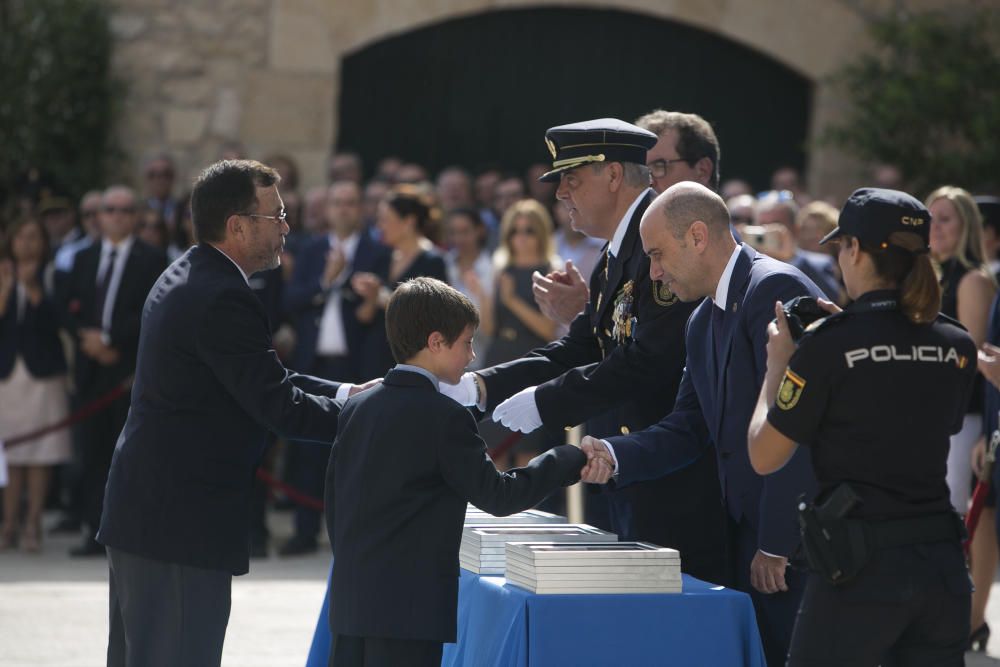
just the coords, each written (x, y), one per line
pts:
(519, 412)
(463, 393)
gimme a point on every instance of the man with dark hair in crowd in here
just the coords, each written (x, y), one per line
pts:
(57, 216)
(207, 390)
(539, 190)
(104, 296)
(454, 189)
(158, 174)
(331, 341)
(779, 208)
(345, 166)
(89, 212)
(387, 168)
(788, 179)
(509, 189)
(686, 149)
(412, 173)
(375, 191)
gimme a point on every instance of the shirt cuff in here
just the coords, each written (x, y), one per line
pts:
(766, 553)
(344, 390)
(613, 457)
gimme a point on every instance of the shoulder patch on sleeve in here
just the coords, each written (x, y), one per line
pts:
(790, 390)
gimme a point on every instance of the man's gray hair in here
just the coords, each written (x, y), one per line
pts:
(634, 175)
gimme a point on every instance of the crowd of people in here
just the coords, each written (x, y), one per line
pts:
(526, 249)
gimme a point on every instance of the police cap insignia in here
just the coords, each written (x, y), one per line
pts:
(662, 294)
(551, 146)
(789, 390)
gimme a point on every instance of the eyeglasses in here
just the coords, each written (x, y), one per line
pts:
(127, 210)
(88, 212)
(659, 167)
(276, 219)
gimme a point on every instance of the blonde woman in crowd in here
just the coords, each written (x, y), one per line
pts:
(814, 221)
(510, 315)
(967, 291)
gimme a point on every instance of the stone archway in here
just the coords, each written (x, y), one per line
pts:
(458, 92)
(269, 76)
(812, 37)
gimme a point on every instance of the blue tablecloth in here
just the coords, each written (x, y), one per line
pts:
(501, 624)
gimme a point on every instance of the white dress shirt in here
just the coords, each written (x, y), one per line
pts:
(123, 248)
(332, 338)
(615, 245)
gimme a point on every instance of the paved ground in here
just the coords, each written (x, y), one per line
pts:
(53, 609)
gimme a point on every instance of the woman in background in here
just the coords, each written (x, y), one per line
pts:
(32, 381)
(967, 291)
(404, 219)
(510, 314)
(470, 269)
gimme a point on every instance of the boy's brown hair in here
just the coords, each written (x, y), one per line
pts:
(421, 306)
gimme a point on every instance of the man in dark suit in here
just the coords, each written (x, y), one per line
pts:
(686, 234)
(104, 296)
(331, 341)
(396, 529)
(208, 387)
(620, 364)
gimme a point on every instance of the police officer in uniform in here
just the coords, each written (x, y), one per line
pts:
(619, 367)
(875, 391)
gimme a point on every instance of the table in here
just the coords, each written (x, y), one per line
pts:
(500, 624)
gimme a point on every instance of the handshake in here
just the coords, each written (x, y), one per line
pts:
(600, 461)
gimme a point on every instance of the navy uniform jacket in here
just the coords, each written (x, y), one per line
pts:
(305, 299)
(208, 387)
(141, 269)
(722, 400)
(406, 461)
(623, 380)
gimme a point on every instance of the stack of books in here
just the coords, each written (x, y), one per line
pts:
(593, 567)
(484, 548)
(476, 517)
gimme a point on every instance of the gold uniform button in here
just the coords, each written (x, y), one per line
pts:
(625, 430)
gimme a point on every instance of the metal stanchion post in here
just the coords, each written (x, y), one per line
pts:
(574, 494)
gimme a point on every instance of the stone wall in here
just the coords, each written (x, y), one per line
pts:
(265, 72)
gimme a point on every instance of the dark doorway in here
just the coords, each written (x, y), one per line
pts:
(483, 89)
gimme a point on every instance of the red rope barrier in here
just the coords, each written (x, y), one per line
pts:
(264, 476)
(85, 412)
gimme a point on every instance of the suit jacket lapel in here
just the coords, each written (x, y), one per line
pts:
(734, 300)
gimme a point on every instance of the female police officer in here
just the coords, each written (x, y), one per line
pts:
(875, 392)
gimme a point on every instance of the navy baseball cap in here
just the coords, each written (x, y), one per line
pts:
(872, 215)
(601, 140)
